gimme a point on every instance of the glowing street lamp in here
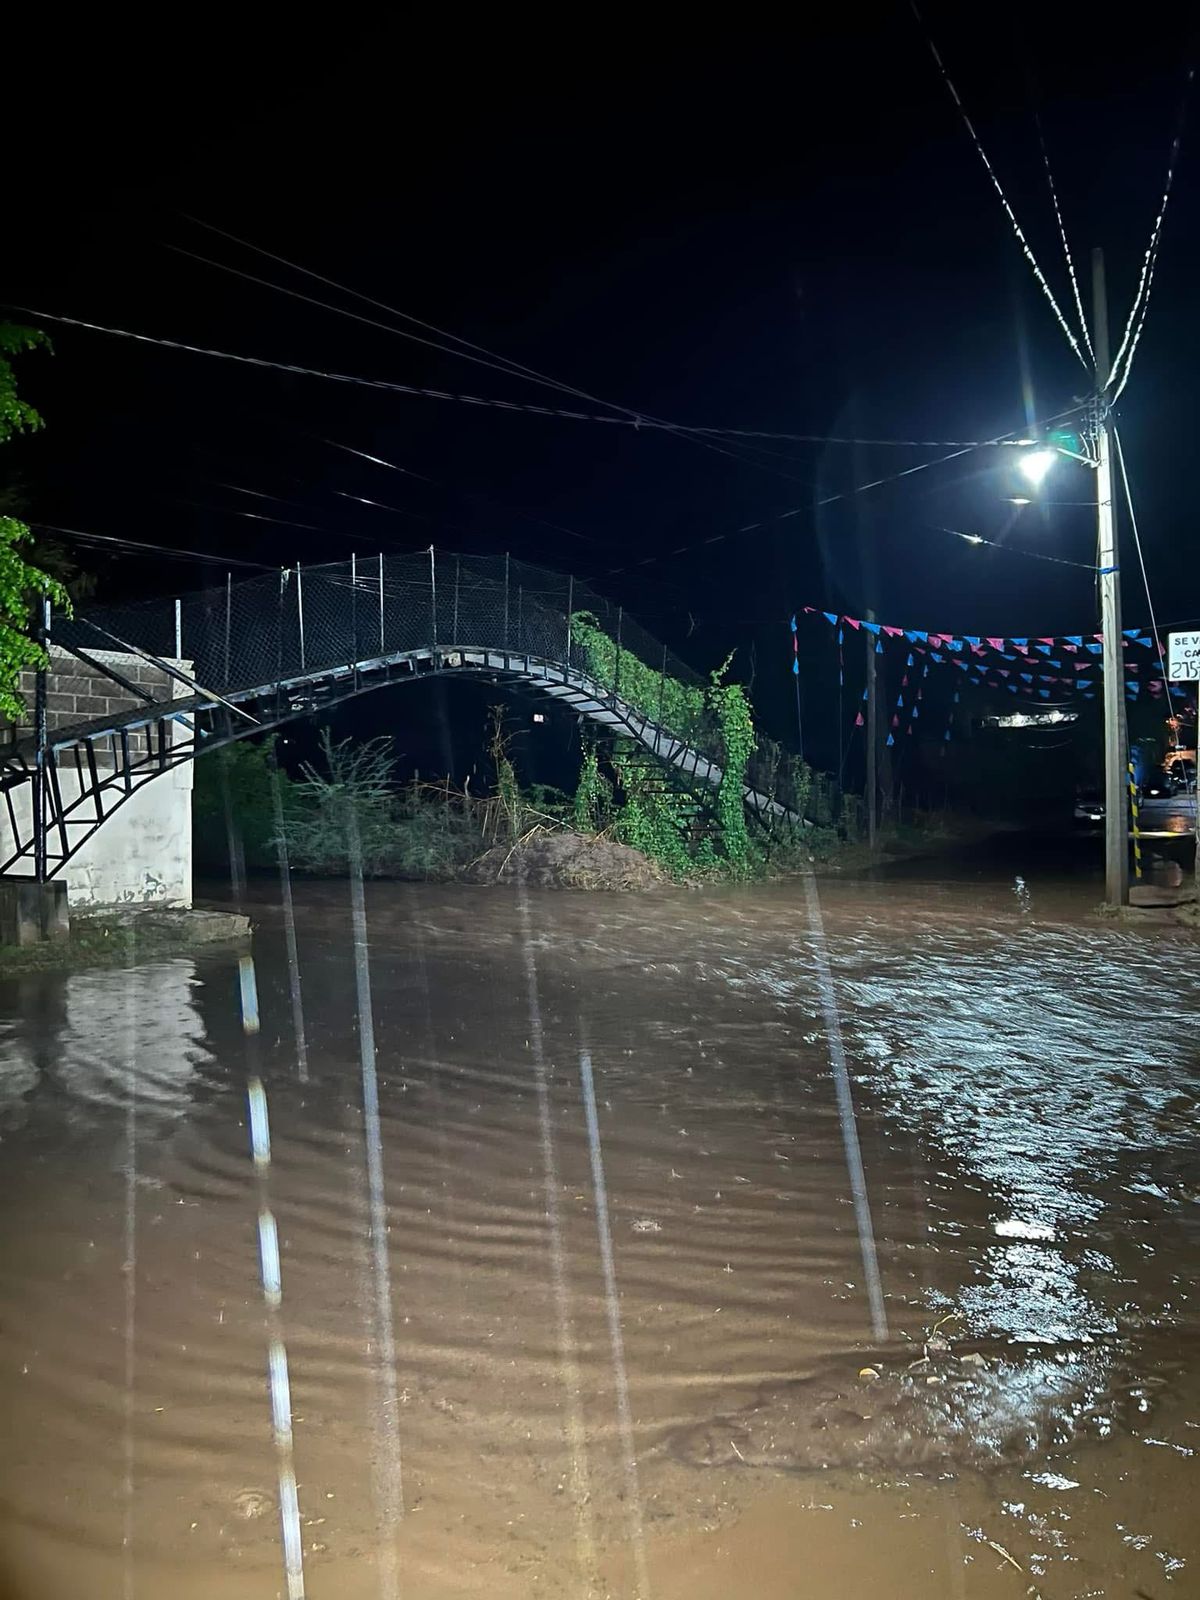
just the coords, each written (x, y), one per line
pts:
(1035, 464)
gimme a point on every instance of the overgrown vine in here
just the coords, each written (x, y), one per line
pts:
(730, 704)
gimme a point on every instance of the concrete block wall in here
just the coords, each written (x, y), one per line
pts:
(75, 693)
(142, 854)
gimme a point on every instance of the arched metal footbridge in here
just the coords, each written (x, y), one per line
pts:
(244, 658)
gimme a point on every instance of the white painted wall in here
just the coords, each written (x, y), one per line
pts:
(142, 853)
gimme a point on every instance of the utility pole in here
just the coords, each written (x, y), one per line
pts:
(1116, 845)
(872, 737)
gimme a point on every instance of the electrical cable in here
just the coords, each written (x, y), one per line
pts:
(636, 419)
(1026, 247)
(845, 494)
(1034, 555)
(1141, 300)
(1062, 234)
(157, 549)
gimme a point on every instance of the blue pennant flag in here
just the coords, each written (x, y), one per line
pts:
(1096, 649)
(793, 622)
(1044, 648)
(795, 666)
(1073, 638)
(878, 645)
(1007, 656)
(1045, 693)
(872, 627)
(1020, 643)
(891, 738)
(830, 617)
(972, 638)
(1026, 677)
(935, 656)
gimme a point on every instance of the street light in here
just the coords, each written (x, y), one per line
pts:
(1035, 464)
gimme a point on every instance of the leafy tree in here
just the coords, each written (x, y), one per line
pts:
(20, 580)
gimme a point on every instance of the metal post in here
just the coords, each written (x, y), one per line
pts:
(457, 566)
(662, 691)
(279, 640)
(872, 738)
(521, 619)
(1116, 845)
(506, 599)
(179, 630)
(617, 669)
(300, 614)
(381, 602)
(433, 600)
(570, 610)
(39, 734)
(354, 613)
(228, 613)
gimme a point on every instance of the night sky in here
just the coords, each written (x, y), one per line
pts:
(786, 231)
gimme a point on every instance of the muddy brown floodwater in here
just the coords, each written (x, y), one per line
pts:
(583, 1311)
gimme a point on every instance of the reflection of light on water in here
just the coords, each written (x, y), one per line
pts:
(112, 1029)
(1016, 1228)
(1037, 1081)
(1026, 1054)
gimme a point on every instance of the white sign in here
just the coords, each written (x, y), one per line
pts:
(1184, 662)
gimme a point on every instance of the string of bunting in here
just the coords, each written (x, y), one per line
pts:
(979, 658)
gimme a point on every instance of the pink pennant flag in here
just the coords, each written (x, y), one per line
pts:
(853, 621)
(996, 644)
(858, 721)
(1003, 671)
(892, 633)
(1048, 640)
(1073, 648)
(1082, 666)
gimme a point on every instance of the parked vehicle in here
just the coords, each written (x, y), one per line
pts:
(1089, 806)
(1157, 785)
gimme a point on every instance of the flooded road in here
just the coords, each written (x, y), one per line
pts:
(687, 1244)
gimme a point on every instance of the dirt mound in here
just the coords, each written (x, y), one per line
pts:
(566, 861)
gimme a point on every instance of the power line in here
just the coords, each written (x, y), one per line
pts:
(1141, 300)
(1034, 555)
(845, 494)
(1026, 247)
(420, 391)
(499, 364)
(517, 368)
(1062, 234)
(157, 549)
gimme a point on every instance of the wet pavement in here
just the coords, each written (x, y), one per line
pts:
(627, 1284)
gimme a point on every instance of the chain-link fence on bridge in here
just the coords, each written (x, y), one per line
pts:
(302, 622)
